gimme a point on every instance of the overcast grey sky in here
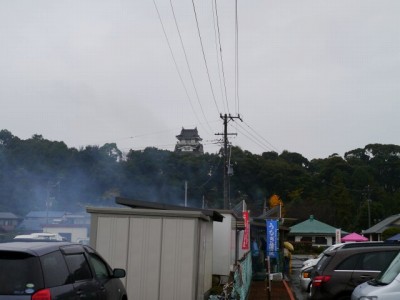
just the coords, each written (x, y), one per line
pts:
(315, 77)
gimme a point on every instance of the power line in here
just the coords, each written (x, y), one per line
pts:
(221, 57)
(253, 138)
(204, 56)
(236, 59)
(218, 55)
(188, 65)
(261, 137)
(175, 63)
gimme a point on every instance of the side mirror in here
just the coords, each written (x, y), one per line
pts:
(119, 273)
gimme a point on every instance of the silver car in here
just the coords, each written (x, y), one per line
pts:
(386, 286)
(308, 265)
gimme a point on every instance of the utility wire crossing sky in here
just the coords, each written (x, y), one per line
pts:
(312, 77)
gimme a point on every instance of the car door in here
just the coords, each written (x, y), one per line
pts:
(85, 285)
(110, 287)
(57, 277)
(370, 264)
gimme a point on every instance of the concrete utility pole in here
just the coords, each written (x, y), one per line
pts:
(226, 118)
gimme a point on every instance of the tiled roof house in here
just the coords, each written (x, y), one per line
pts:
(375, 232)
(8, 221)
(314, 231)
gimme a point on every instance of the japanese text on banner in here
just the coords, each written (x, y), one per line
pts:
(272, 238)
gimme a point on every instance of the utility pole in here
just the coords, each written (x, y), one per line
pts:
(226, 118)
(368, 204)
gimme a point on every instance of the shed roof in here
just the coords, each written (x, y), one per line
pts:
(214, 215)
(312, 226)
(381, 226)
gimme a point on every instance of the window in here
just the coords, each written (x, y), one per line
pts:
(376, 261)
(100, 268)
(306, 239)
(349, 263)
(20, 273)
(369, 261)
(321, 240)
(55, 270)
(78, 266)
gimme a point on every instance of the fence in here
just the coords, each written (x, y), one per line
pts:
(242, 277)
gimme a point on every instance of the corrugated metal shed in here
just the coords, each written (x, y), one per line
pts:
(167, 253)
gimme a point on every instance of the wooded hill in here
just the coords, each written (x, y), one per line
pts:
(35, 172)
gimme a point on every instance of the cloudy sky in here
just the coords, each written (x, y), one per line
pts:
(313, 77)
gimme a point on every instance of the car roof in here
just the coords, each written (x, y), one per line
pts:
(368, 248)
(36, 248)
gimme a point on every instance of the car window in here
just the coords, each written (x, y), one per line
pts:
(349, 263)
(100, 268)
(55, 269)
(78, 266)
(375, 261)
(20, 273)
(391, 272)
(322, 262)
(371, 261)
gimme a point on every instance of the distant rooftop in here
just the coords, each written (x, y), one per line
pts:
(8, 215)
(312, 226)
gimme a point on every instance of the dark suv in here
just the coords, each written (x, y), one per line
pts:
(339, 271)
(56, 270)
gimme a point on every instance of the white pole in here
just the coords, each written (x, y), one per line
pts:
(186, 185)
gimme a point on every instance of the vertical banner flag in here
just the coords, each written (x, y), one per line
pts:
(245, 242)
(272, 238)
(338, 236)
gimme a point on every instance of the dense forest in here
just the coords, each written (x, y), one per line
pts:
(37, 173)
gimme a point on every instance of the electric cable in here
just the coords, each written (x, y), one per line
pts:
(221, 56)
(204, 56)
(261, 137)
(188, 65)
(218, 55)
(252, 137)
(175, 63)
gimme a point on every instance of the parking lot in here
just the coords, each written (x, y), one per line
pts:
(297, 261)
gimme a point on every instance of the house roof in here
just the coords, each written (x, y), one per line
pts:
(8, 216)
(392, 221)
(45, 214)
(312, 226)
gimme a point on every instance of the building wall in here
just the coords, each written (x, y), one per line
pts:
(224, 245)
(329, 239)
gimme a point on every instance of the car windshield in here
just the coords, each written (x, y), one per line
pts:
(19, 273)
(388, 275)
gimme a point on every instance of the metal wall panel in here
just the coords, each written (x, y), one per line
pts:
(143, 278)
(111, 240)
(178, 267)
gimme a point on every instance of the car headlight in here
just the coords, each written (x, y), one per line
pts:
(368, 298)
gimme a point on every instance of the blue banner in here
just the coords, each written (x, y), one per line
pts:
(272, 238)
